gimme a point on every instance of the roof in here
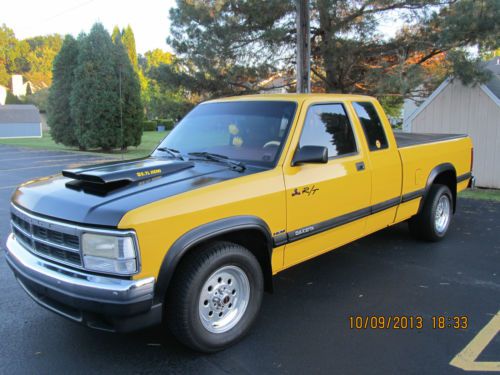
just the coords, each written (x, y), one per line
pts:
(493, 84)
(490, 88)
(293, 97)
(494, 65)
(19, 114)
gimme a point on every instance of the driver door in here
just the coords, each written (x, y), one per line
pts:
(326, 203)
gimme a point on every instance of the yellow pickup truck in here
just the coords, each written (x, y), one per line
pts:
(240, 190)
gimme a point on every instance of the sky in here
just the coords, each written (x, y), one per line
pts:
(148, 18)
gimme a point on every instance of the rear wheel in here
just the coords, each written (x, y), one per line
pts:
(433, 221)
(215, 296)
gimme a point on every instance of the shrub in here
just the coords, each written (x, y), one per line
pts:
(39, 99)
(12, 99)
(149, 126)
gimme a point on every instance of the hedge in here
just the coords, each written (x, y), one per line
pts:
(149, 126)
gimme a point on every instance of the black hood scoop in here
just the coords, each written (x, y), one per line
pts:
(103, 194)
(122, 173)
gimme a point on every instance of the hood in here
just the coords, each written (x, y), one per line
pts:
(102, 194)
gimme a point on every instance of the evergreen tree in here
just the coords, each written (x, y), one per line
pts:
(58, 110)
(128, 40)
(229, 46)
(95, 100)
(116, 35)
(132, 108)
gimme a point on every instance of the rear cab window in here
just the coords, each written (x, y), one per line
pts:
(372, 125)
(328, 125)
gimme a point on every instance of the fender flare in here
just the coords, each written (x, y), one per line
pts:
(436, 171)
(202, 233)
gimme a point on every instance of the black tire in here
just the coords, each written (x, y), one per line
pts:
(183, 309)
(423, 226)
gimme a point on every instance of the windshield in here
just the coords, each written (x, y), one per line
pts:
(249, 131)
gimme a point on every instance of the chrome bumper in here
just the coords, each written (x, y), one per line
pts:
(73, 293)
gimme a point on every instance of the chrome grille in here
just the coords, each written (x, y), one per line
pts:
(45, 238)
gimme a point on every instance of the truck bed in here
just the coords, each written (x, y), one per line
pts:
(412, 139)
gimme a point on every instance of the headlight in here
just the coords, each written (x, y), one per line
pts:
(110, 254)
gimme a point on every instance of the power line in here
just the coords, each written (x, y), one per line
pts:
(50, 18)
(78, 6)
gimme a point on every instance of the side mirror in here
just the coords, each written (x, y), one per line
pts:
(310, 154)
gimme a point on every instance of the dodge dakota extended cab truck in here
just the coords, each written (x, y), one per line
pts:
(240, 190)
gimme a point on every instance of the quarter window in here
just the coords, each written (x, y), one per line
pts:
(328, 125)
(372, 126)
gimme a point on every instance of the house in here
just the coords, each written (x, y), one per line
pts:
(20, 121)
(19, 87)
(276, 84)
(474, 110)
(3, 94)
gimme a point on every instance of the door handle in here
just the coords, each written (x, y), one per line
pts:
(360, 166)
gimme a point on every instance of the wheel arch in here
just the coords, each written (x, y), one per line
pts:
(248, 231)
(444, 174)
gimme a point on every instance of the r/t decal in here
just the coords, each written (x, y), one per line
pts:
(306, 190)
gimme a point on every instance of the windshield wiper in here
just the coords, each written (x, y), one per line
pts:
(172, 152)
(236, 165)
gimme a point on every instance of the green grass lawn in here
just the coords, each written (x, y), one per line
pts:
(484, 194)
(148, 143)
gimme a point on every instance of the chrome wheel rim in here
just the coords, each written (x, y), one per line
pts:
(443, 212)
(224, 299)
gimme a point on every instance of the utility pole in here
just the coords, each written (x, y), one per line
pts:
(303, 47)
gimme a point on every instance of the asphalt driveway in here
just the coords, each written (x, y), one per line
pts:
(303, 327)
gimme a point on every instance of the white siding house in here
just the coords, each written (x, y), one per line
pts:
(19, 87)
(3, 94)
(277, 84)
(473, 110)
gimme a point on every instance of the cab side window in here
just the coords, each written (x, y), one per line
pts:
(372, 126)
(328, 125)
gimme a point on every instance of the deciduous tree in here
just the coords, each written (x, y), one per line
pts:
(32, 57)
(161, 99)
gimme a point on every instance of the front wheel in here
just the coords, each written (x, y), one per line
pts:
(433, 221)
(215, 296)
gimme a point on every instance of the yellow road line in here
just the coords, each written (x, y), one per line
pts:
(466, 359)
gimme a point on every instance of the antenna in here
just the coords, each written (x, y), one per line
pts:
(121, 112)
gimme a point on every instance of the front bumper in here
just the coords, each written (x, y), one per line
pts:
(100, 302)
